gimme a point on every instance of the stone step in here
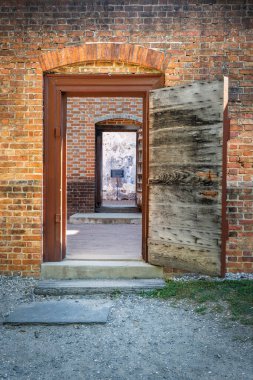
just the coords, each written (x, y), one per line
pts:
(113, 209)
(86, 287)
(106, 218)
(60, 312)
(99, 269)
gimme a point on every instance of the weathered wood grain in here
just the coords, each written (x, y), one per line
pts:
(175, 256)
(191, 218)
(183, 194)
(185, 177)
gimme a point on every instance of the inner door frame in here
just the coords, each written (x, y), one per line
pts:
(57, 88)
(99, 129)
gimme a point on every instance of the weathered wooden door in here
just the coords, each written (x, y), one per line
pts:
(185, 177)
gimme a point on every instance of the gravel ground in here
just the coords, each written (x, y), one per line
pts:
(228, 276)
(145, 338)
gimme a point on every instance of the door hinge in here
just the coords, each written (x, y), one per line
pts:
(57, 218)
(57, 132)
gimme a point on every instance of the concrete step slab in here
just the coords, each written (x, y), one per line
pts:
(99, 269)
(116, 209)
(60, 312)
(86, 287)
(106, 218)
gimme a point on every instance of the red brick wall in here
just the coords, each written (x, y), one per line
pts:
(201, 41)
(82, 114)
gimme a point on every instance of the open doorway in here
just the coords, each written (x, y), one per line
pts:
(118, 168)
(104, 178)
(59, 89)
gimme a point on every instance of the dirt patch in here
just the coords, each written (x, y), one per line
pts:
(145, 338)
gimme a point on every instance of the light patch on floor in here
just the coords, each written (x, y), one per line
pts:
(73, 232)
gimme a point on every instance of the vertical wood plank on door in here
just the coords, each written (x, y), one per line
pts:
(186, 126)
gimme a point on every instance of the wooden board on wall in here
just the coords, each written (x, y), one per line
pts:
(186, 130)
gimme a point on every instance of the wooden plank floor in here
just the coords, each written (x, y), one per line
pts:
(103, 242)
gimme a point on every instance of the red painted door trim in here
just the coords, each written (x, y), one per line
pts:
(56, 90)
(226, 137)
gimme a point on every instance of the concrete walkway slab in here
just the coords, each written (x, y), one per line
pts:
(106, 218)
(60, 312)
(98, 269)
(104, 242)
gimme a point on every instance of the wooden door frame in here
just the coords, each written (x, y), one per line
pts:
(99, 129)
(57, 87)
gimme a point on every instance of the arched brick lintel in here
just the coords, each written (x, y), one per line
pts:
(114, 52)
(118, 116)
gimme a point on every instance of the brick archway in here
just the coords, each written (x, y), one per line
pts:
(115, 52)
(119, 118)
